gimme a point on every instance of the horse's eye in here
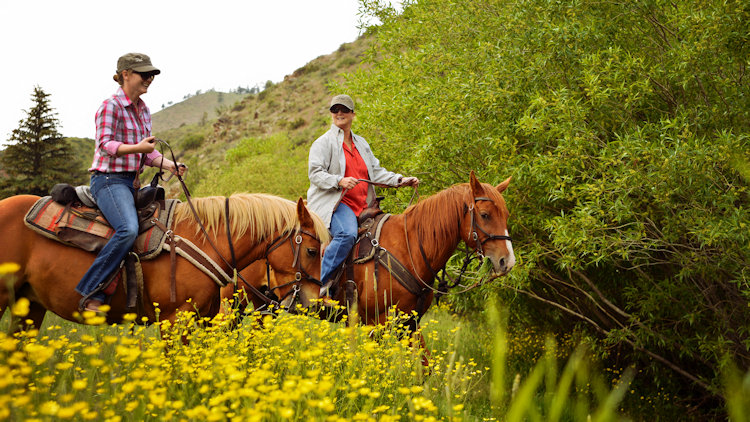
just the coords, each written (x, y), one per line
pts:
(312, 252)
(485, 215)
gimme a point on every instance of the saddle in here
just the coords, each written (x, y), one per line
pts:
(82, 226)
(366, 248)
(77, 223)
(85, 227)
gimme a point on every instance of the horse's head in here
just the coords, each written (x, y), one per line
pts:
(484, 226)
(295, 260)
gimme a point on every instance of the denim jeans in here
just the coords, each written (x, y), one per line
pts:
(344, 231)
(114, 197)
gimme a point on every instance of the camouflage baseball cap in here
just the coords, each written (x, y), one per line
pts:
(136, 61)
(344, 100)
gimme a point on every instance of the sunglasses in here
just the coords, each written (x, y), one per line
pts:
(146, 75)
(335, 109)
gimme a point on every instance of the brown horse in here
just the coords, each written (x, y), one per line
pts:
(260, 226)
(473, 212)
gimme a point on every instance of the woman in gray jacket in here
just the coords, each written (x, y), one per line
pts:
(337, 161)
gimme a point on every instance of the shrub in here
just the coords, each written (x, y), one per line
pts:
(192, 141)
(631, 222)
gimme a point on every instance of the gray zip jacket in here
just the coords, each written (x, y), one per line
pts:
(325, 168)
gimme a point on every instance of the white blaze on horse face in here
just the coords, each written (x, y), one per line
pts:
(502, 263)
(511, 255)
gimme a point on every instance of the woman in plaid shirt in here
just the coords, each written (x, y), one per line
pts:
(123, 136)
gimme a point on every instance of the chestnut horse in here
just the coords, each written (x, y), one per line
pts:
(261, 226)
(473, 212)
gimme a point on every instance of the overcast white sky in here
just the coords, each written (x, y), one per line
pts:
(70, 48)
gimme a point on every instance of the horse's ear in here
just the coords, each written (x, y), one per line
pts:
(303, 214)
(476, 187)
(504, 185)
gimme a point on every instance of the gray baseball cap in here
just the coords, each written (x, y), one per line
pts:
(344, 100)
(136, 61)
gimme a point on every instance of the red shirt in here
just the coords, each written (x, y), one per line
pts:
(356, 198)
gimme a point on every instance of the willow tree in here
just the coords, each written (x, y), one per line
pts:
(622, 124)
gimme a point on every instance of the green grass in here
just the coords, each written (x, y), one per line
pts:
(295, 368)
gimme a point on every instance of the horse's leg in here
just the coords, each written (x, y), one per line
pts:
(34, 319)
(416, 339)
(9, 286)
(4, 298)
(419, 338)
(11, 289)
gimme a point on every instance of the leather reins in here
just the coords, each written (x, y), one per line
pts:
(478, 245)
(478, 250)
(267, 301)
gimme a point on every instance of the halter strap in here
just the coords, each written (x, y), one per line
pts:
(478, 250)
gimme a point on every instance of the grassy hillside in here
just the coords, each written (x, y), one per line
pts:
(197, 109)
(260, 143)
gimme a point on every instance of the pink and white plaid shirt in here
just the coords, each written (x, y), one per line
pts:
(119, 121)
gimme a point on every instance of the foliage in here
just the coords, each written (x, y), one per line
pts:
(620, 123)
(193, 141)
(37, 156)
(254, 165)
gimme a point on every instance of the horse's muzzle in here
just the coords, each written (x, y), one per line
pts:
(503, 264)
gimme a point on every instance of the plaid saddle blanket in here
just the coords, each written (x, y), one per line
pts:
(86, 228)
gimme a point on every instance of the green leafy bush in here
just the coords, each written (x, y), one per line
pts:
(271, 164)
(192, 141)
(622, 125)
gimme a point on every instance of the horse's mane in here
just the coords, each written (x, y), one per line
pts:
(256, 215)
(444, 211)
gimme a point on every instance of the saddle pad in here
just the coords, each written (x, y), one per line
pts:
(87, 229)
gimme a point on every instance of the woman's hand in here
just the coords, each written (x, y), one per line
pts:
(169, 165)
(178, 168)
(348, 183)
(409, 181)
(147, 145)
(181, 169)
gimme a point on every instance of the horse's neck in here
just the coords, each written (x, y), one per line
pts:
(435, 225)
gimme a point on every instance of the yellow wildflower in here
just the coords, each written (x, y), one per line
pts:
(79, 384)
(21, 307)
(9, 267)
(66, 412)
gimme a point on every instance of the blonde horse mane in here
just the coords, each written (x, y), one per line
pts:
(257, 215)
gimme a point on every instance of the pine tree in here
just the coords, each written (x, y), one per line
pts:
(37, 156)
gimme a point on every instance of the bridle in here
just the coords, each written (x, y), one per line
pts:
(479, 246)
(269, 299)
(443, 285)
(295, 242)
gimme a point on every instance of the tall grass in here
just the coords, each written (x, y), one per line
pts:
(292, 367)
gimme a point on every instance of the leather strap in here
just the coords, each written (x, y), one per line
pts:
(173, 268)
(172, 258)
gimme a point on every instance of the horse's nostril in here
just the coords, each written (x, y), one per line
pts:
(502, 263)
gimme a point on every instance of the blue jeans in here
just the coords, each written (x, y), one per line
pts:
(344, 231)
(114, 197)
